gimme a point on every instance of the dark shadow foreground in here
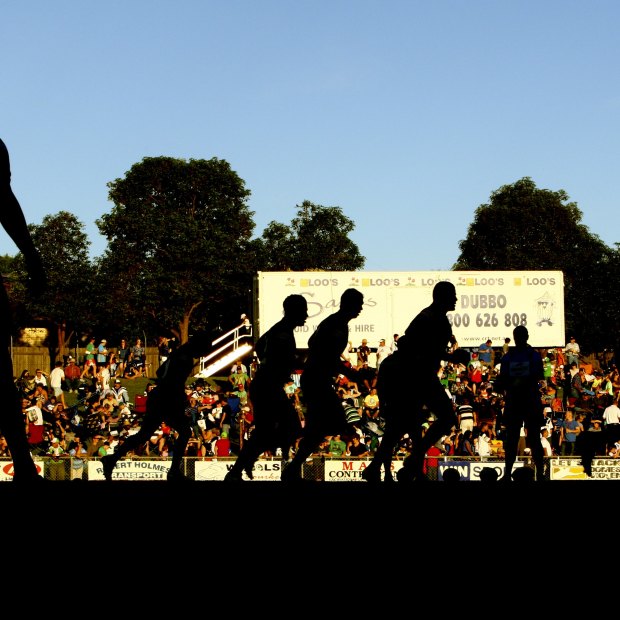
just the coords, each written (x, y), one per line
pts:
(317, 504)
(271, 533)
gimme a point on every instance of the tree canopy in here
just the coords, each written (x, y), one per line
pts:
(316, 240)
(181, 255)
(178, 242)
(67, 303)
(527, 228)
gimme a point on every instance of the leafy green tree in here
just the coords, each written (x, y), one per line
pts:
(527, 228)
(13, 279)
(69, 303)
(179, 253)
(317, 239)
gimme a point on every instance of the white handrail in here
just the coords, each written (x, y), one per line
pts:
(234, 343)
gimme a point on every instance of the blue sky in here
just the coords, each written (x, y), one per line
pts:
(407, 115)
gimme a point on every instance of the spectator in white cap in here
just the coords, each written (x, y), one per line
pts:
(382, 352)
(120, 392)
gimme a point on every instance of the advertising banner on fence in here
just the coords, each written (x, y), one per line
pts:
(490, 303)
(6, 470)
(264, 471)
(131, 470)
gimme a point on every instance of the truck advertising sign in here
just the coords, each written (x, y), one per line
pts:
(490, 304)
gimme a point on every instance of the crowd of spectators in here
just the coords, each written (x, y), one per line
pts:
(579, 402)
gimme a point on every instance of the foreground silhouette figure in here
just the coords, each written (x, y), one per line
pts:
(276, 422)
(324, 410)
(11, 416)
(420, 352)
(521, 370)
(166, 402)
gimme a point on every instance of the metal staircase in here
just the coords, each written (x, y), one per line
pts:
(233, 349)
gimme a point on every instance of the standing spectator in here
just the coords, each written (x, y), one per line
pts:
(548, 371)
(394, 343)
(57, 377)
(246, 326)
(466, 415)
(485, 354)
(56, 461)
(611, 419)
(236, 365)
(363, 353)
(521, 371)
(77, 451)
(35, 424)
(102, 353)
(242, 394)
(104, 377)
(324, 413)
(123, 358)
(483, 442)
(547, 421)
(222, 445)
(90, 364)
(72, 375)
(382, 352)
(431, 462)
(163, 348)
(239, 377)
(570, 431)
(572, 351)
(137, 358)
(474, 372)
(546, 444)
(506, 346)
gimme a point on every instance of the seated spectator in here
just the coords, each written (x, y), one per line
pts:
(110, 399)
(368, 377)
(72, 375)
(357, 448)
(25, 383)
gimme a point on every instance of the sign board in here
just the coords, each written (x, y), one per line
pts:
(490, 303)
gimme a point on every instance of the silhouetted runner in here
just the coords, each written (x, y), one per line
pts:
(419, 355)
(276, 421)
(324, 409)
(520, 373)
(166, 402)
(11, 415)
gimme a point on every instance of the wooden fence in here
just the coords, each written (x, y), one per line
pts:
(31, 358)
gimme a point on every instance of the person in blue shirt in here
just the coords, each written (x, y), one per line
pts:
(520, 375)
(485, 353)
